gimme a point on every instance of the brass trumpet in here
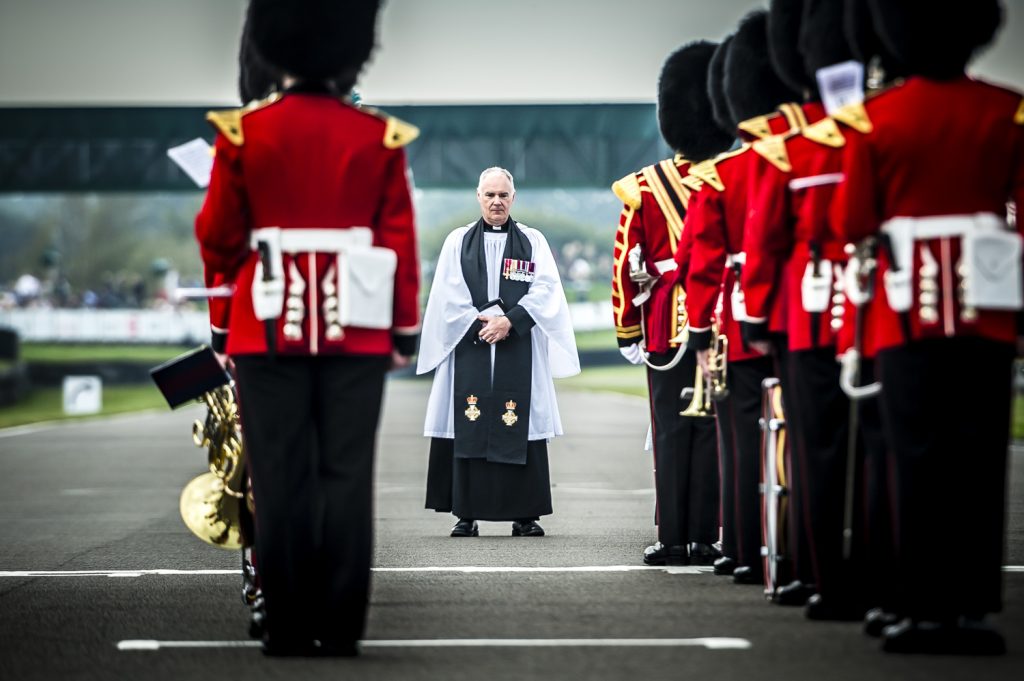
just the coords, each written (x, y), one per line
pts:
(211, 504)
(710, 387)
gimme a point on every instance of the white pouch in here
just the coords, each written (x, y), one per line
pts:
(366, 285)
(739, 303)
(268, 295)
(816, 286)
(992, 269)
(899, 289)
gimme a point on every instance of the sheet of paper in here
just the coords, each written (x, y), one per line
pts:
(841, 84)
(195, 158)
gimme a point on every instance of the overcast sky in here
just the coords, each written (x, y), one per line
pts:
(183, 52)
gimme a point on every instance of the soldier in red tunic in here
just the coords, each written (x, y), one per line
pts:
(931, 184)
(789, 232)
(715, 223)
(647, 299)
(309, 213)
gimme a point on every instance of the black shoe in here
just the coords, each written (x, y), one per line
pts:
(967, 636)
(527, 528)
(794, 593)
(466, 528)
(659, 554)
(725, 566)
(819, 608)
(703, 554)
(920, 636)
(877, 619)
(747, 574)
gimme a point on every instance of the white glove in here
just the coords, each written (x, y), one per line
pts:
(633, 354)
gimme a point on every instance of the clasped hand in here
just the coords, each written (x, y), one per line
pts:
(494, 329)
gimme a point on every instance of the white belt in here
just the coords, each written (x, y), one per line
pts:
(315, 240)
(735, 259)
(939, 226)
(904, 231)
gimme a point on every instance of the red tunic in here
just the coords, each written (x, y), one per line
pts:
(308, 161)
(715, 227)
(789, 217)
(937, 149)
(651, 220)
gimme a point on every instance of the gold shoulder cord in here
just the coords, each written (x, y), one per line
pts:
(1018, 117)
(673, 219)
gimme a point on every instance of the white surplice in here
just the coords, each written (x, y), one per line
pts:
(450, 312)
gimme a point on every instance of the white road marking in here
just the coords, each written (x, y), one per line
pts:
(711, 643)
(602, 490)
(459, 569)
(463, 569)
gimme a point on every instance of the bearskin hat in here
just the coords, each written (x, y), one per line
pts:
(936, 38)
(864, 40)
(716, 88)
(255, 79)
(783, 37)
(822, 41)
(315, 39)
(684, 109)
(752, 86)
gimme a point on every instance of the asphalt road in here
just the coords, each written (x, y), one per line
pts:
(99, 579)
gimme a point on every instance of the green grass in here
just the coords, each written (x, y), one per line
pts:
(603, 339)
(1017, 425)
(56, 352)
(46, 404)
(627, 379)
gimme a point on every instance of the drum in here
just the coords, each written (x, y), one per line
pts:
(774, 488)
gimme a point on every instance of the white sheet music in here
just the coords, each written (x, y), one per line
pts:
(195, 158)
(841, 84)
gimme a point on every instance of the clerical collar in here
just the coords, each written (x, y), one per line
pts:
(497, 229)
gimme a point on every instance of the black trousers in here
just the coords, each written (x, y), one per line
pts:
(724, 420)
(946, 413)
(309, 425)
(742, 431)
(879, 519)
(685, 458)
(822, 412)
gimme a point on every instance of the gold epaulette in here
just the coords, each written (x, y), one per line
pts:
(855, 116)
(773, 150)
(1018, 117)
(825, 132)
(397, 133)
(229, 121)
(705, 172)
(759, 126)
(628, 190)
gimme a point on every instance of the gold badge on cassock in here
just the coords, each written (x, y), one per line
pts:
(509, 417)
(472, 413)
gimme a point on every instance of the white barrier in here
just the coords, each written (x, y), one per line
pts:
(174, 326)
